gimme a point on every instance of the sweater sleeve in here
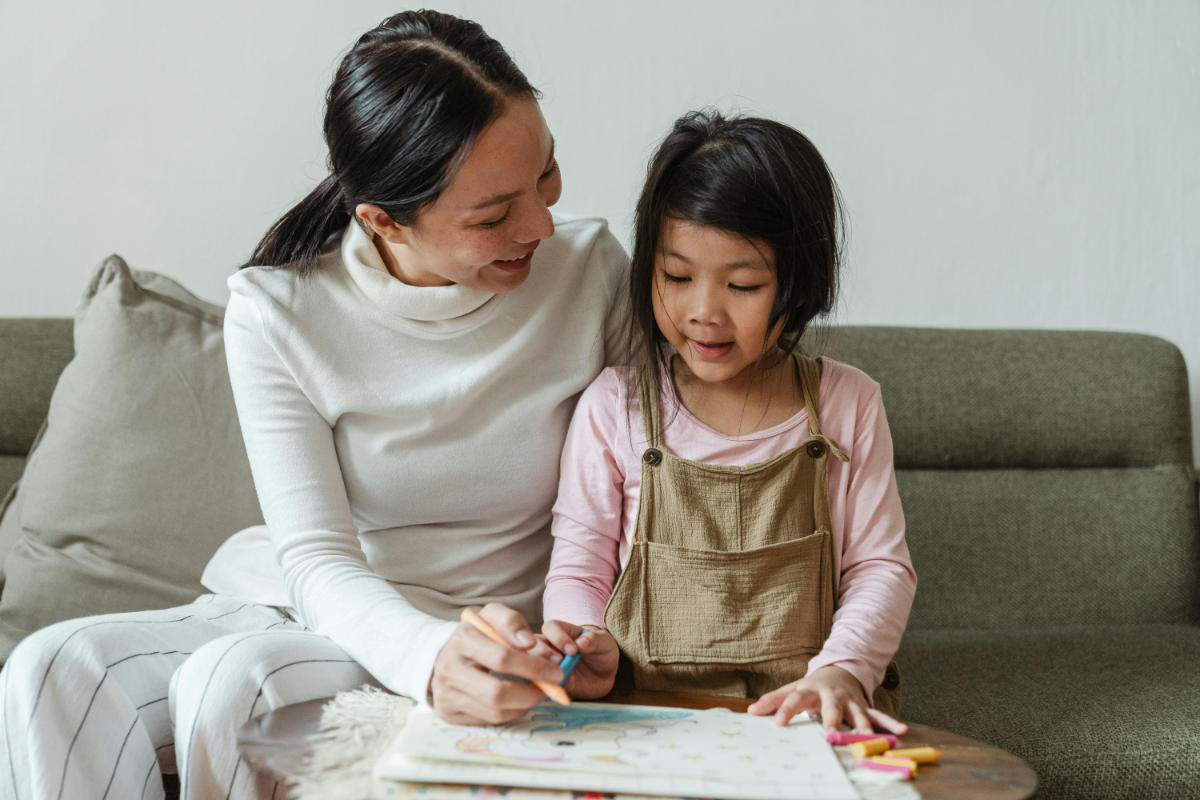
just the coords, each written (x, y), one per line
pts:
(304, 503)
(877, 581)
(619, 334)
(587, 516)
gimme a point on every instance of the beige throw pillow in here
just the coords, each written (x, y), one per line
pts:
(140, 473)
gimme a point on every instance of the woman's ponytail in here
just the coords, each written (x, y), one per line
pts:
(297, 237)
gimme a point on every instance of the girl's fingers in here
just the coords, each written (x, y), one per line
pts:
(858, 718)
(592, 641)
(831, 710)
(562, 635)
(769, 702)
(889, 724)
(796, 701)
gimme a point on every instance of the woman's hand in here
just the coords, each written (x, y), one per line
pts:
(597, 668)
(463, 689)
(833, 693)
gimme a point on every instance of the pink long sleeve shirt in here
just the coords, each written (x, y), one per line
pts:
(596, 512)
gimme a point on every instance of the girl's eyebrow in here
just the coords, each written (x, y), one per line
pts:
(506, 196)
(730, 265)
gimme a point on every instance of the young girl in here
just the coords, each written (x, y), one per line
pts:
(728, 514)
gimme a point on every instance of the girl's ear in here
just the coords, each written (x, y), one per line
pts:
(384, 226)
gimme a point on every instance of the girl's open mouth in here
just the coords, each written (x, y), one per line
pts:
(710, 349)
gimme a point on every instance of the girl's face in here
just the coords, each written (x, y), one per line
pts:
(482, 230)
(712, 297)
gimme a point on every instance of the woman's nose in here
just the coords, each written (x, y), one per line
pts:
(536, 223)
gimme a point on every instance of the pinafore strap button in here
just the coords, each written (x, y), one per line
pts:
(815, 448)
(653, 457)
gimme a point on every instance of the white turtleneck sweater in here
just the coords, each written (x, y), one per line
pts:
(405, 440)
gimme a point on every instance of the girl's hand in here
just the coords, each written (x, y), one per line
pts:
(463, 689)
(597, 668)
(835, 694)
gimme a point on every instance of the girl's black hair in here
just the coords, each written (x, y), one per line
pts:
(402, 112)
(753, 177)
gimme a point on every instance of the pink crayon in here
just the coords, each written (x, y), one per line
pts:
(904, 772)
(846, 737)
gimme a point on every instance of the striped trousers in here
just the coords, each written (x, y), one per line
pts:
(101, 707)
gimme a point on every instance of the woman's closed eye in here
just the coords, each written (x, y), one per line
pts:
(492, 223)
(741, 288)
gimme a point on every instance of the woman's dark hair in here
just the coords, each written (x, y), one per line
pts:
(755, 178)
(401, 114)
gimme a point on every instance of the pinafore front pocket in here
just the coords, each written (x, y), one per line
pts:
(735, 607)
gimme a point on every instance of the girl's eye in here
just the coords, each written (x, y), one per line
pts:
(553, 169)
(675, 278)
(494, 222)
(746, 289)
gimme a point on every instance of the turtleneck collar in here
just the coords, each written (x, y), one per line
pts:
(419, 303)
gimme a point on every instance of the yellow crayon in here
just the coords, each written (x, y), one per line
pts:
(921, 755)
(907, 763)
(870, 747)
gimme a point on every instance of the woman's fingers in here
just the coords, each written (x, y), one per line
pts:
(509, 624)
(486, 705)
(498, 658)
(888, 723)
(464, 691)
(543, 648)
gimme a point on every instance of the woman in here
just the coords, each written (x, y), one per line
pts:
(404, 378)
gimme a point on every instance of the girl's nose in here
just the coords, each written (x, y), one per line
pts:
(705, 308)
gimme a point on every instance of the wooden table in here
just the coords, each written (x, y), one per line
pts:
(276, 742)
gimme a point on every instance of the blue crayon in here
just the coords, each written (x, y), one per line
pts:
(568, 663)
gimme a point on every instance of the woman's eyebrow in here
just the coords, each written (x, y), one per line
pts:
(506, 196)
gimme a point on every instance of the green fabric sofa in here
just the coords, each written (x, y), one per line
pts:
(1051, 501)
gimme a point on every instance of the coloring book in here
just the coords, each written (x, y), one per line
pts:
(604, 747)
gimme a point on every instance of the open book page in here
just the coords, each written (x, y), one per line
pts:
(627, 749)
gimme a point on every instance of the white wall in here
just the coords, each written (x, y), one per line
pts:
(1024, 164)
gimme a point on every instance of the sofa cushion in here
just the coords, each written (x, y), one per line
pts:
(32, 354)
(1022, 398)
(1097, 711)
(1014, 548)
(141, 472)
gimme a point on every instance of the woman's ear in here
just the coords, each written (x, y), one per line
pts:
(381, 224)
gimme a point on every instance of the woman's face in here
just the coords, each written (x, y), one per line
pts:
(482, 230)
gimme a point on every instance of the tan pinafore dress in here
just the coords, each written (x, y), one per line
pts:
(729, 588)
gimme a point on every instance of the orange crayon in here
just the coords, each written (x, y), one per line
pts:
(552, 690)
(921, 755)
(871, 747)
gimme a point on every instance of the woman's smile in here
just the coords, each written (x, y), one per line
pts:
(515, 264)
